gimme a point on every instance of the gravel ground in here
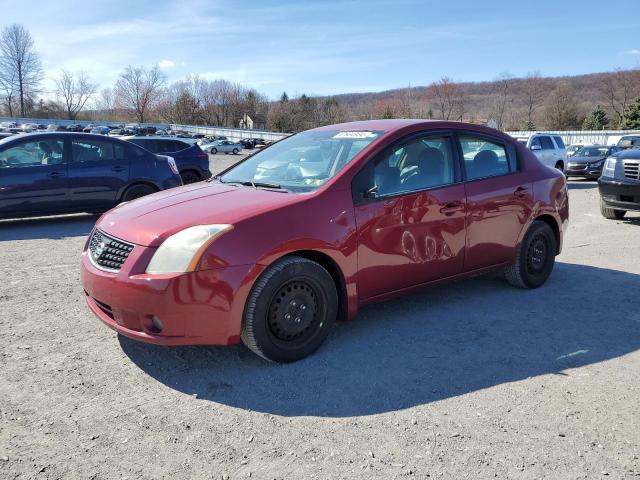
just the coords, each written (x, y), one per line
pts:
(471, 380)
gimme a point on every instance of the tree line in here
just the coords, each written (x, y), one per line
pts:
(142, 94)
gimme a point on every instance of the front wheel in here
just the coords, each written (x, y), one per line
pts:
(213, 151)
(290, 310)
(611, 213)
(560, 166)
(535, 257)
(235, 151)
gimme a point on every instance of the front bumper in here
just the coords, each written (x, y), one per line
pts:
(196, 308)
(583, 170)
(620, 194)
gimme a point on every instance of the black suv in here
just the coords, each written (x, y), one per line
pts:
(619, 184)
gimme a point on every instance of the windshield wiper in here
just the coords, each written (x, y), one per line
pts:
(274, 186)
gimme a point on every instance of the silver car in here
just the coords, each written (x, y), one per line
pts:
(220, 146)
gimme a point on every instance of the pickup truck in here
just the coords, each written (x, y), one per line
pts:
(549, 149)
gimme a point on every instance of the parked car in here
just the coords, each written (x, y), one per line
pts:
(549, 149)
(629, 141)
(247, 143)
(192, 162)
(53, 173)
(619, 185)
(222, 146)
(100, 130)
(275, 264)
(56, 128)
(75, 128)
(574, 147)
(588, 161)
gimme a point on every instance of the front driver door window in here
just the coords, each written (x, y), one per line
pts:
(411, 220)
(33, 177)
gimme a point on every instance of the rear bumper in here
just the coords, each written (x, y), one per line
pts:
(620, 195)
(197, 308)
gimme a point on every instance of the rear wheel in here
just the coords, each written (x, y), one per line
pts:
(235, 151)
(610, 213)
(290, 310)
(189, 176)
(137, 191)
(213, 151)
(535, 257)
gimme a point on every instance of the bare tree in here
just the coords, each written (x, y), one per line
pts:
(139, 89)
(619, 90)
(8, 92)
(449, 98)
(74, 91)
(19, 63)
(534, 95)
(561, 108)
(503, 100)
(104, 104)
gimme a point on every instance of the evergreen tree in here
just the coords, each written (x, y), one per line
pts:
(284, 98)
(597, 120)
(631, 116)
(388, 113)
(529, 126)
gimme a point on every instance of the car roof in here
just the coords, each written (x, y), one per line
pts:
(44, 135)
(154, 137)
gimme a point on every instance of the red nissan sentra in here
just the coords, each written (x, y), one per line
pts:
(274, 250)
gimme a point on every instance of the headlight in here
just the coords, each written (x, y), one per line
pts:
(181, 252)
(610, 167)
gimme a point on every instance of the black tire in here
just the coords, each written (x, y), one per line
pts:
(137, 191)
(611, 213)
(214, 151)
(535, 257)
(560, 166)
(290, 311)
(189, 176)
(235, 151)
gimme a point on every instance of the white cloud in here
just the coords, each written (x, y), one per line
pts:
(633, 51)
(165, 64)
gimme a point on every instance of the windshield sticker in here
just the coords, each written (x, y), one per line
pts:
(354, 135)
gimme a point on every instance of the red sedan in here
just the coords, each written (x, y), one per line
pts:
(274, 250)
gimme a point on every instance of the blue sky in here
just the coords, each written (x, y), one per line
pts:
(328, 47)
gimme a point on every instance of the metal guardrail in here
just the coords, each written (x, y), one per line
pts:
(606, 137)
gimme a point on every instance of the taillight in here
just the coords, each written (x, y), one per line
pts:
(173, 166)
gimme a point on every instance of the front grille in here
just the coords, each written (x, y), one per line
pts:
(577, 167)
(107, 252)
(632, 169)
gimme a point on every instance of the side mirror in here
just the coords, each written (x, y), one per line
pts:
(535, 147)
(371, 192)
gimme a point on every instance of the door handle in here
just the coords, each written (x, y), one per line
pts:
(56, 174)
(451, 208)
(521, 192)
(117, 168)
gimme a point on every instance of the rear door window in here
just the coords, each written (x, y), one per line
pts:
(559, 142)
(90, 150)
(485, 158)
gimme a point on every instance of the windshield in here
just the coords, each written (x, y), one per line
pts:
(592, 152)
(302, 162)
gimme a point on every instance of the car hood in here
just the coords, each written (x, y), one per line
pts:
(575, 159)
(150, 220)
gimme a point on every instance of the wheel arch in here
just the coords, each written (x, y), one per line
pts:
(331, 266)
(135, 183)
(553, 223)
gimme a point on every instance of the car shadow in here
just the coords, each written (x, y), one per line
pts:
(582, 184)
(47, 227)
(426, 347)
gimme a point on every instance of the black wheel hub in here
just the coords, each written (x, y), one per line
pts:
(293, 311)
(537, 254)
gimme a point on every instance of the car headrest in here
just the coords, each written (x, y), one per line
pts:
(431, 163)
(486, 160)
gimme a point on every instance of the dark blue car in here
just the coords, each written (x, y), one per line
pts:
(54, 173)
(192, 162)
